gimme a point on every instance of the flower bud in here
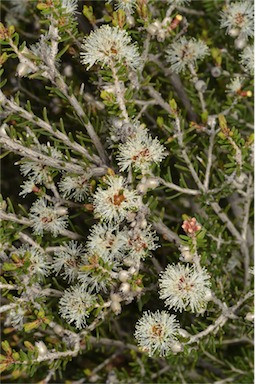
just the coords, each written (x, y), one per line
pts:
(208, 295)
(152, 183)
(116, 307)
(142, 188)
(161, 35)
(41, 348)
(249, 316)
(58, 330)
(200, 86)
(186, 255)
(234, 32)
(68, 71)
(23, 69)
(130, 21)
(216, 71)
(128, 261)
(115, 297)
(176, 347)
(240, 43)
(123, 276)
(124, 288)
(61, 211)
(132, 270)
(143, 224)
(183, 333)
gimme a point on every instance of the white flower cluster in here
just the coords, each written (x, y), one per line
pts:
(247, 59)
(238, 18)
(109, 45)
(113, 203)
(107, 241)
(74, 187)
(156, 332)
(75, 305)
(39, 173)
(185, 287)
(38, 263)
(69, 6)
(183, 53)
(140, 152)
(127, 6)
(47, 217)
(68, 259)
(235, 85)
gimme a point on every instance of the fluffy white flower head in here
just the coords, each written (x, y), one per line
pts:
(39, 264)
(126, 5)
(185, 52)
(68, 258)
(141, 242)
(69, 6)
(113, 203)
(247, 59)
(47, 218)
(108, 45)
(235, 85)
(106, 241)
(74, 305)
(239, 15)
(155, 332)
(140, 152)
(74, 187)
(184, 286)
(37, 172)
(178, 2)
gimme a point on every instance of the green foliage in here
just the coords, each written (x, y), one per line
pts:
(62, 125)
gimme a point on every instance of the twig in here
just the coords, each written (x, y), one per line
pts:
(119, 94)
(209, 159)
(27, 222)
(39, 157)
(175, 187)
(167, 234)
(12, 106)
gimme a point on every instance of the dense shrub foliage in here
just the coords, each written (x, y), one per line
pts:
(126, 206)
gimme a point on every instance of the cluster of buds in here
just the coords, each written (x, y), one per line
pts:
(190, 226)
(161, 30)
(147, 183)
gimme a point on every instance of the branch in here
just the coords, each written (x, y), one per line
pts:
(27, 222)
(12, 106)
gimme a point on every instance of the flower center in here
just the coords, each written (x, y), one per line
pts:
(157, 330)
(118, 198)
